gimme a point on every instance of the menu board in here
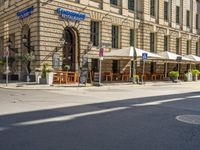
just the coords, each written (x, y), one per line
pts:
(84, 71)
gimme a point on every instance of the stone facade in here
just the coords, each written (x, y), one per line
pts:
(47, 27)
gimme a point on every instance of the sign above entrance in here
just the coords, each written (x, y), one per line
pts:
(66, 14)
(25, 13)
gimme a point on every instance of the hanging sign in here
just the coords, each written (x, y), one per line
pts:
(144, 56)
(25, 13)
(101, 51)
(70, 15)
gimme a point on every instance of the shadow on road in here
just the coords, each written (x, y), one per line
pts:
(116, 125)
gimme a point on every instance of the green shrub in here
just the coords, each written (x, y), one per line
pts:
(44, 69)
(173, 74)
(195, 72)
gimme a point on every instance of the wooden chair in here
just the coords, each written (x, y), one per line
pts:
(125, 76)
(108, 76)
(57, 78)
(71, 77)
(153, 76)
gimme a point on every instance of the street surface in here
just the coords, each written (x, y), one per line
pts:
(101, 118)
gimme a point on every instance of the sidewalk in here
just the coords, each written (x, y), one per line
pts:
(34, 86)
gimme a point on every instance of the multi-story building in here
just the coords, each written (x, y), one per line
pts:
(41, 25)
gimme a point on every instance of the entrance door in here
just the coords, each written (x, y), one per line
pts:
(69, 52)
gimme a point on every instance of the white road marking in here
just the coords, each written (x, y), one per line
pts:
(3, 128)
(159, 102)
(196, 96)
(68, 117)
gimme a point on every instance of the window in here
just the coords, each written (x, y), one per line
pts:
(131, 4)
(197, 48)
(197, 21)
(152, 42)
(166, 43)
(177, 45)
(188, 47)
(152, 8)
(188, 18)
(132, 38)
(177, 14)
(115, 37)
(94, 37)
(116, 66)
(166, 10)
(113, 2)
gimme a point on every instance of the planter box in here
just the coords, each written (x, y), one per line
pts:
(49, 78)
(38, 75)
(31, 77)
(195, 78)
(174, 79)
(12, 77)
(42, 81)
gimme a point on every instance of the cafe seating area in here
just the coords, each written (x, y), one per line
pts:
(108, 76)
(64, 77)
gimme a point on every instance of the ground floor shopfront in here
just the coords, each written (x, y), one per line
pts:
(60, 34)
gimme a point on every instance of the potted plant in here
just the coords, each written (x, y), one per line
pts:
(188, 76)
(195, 74)
(67, 67)
(49, 76)
(44, 73)
(174, 76)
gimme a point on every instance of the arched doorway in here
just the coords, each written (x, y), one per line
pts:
(70, 51)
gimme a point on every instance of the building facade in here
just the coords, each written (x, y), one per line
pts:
(40, 26)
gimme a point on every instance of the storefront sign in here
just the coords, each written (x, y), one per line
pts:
(25, 13)
(70, 15)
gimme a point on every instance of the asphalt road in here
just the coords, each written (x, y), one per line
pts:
(142, 118)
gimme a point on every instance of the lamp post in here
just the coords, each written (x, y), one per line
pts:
(134, 45)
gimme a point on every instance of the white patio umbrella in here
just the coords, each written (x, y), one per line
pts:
(128, 53)
(193, 57)
(172, 57)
